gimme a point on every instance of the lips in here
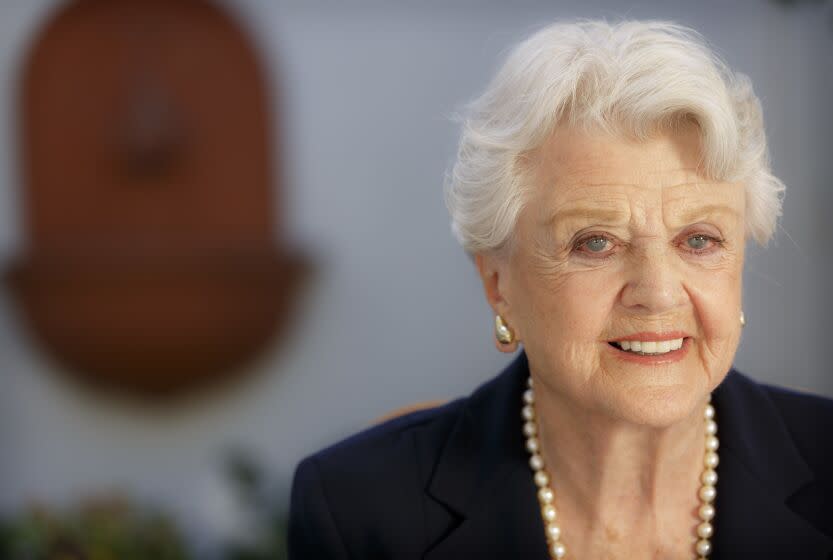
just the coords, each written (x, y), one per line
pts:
(647, 336)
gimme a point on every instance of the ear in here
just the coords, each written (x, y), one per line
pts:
(493, 276)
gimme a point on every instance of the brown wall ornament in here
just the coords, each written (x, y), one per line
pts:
(152, 259)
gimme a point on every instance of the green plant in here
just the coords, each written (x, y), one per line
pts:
(100, 529)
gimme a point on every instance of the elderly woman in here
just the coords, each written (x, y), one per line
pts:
(606, 184)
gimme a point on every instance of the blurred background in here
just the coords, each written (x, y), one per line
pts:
(225, 246)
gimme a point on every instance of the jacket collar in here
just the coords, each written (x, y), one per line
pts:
(483, 482)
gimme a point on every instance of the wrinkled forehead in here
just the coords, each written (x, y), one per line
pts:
(617, 204)
(578, 174)
(577, 155)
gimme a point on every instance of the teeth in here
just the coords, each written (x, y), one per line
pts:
(651, 347)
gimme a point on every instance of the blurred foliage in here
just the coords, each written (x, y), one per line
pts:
(111, 528)
(101, 529)
(248, 481)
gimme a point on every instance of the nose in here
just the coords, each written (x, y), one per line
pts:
(653, 284)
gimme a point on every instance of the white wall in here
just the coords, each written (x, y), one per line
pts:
(396, 314)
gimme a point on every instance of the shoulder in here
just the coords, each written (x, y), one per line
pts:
(802, 410)
(362, 497)
(374, 452)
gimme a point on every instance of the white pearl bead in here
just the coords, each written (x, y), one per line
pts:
(707, 493)
(709, 412)
(709, 477)
(536, 462)
(704, 547)
(705, 530)
(545, 495)
(548, 511)
(530, 429)
(529, 396)
(541, 479)
(529, 381)
(553, 531)
(532, 445)
(528, 412)
(712, 443)
(559, 550)
(706, 512)
(711, 427)
(711, 459)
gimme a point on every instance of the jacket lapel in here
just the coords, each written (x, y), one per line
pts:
(483, 482)
(754, 522)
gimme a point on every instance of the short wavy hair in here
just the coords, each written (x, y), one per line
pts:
(627, 78)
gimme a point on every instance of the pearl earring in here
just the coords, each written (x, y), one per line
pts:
(503, 333)
(742, 319)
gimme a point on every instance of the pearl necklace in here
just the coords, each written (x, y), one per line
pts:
(546, 496)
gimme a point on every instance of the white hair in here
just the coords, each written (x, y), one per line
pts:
(629, 77)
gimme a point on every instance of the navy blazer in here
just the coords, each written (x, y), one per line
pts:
(453, 482)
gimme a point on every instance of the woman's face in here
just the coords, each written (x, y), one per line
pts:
(624, 240)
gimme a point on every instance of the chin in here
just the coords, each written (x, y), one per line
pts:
(658, 406)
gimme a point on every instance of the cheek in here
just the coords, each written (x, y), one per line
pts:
(568, 313)
(716, 298)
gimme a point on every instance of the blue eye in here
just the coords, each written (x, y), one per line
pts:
(698, 242)
(596, 244)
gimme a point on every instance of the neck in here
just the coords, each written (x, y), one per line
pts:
(612, 477)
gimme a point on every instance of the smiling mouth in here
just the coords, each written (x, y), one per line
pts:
(650, 348)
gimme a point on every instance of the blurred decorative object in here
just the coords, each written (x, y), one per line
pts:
(154, 260)
(101, 529)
